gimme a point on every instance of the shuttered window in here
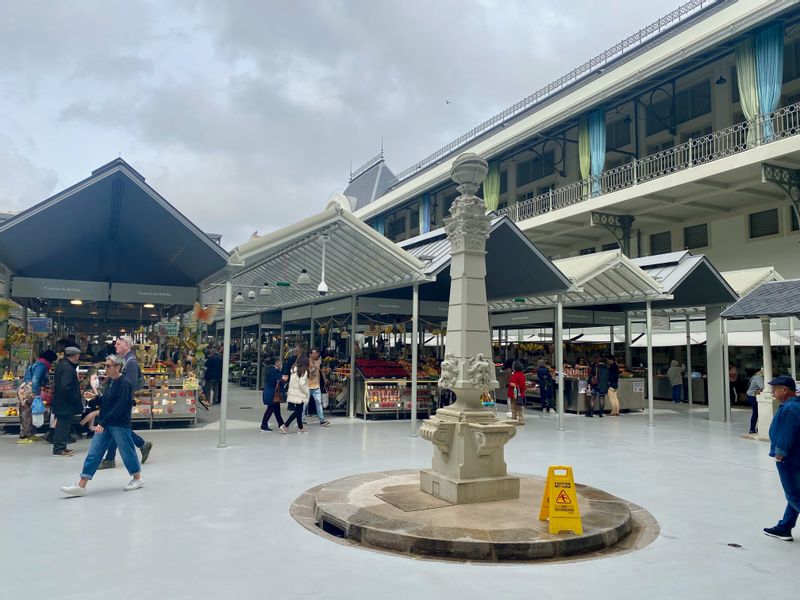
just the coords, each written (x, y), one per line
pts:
(795, 226)
(764, 223)
(695, 236)
(661, 243)
(611, 246)
(590, 250)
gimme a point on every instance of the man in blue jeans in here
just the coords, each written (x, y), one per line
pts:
(784, 436)
(114, 427)
(131, 374)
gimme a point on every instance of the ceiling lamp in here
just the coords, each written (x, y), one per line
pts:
(220, 302)
(265, 290)
(303, 278)
(251, 294)
(239, 298)
(76, 302)
(322, 288)
(721, 80)
(148, 305)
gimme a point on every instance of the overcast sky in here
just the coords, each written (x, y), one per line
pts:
(246, 115)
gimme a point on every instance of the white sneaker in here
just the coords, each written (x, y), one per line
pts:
(135, 484)
(74, 490)
(552, 411)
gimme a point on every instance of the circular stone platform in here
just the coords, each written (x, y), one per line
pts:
(387, 511)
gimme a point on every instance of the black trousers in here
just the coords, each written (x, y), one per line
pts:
(61, 435)
(272, 409)
(297, 413)
(216, 386)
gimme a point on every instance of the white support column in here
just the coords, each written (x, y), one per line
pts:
(765, 398)
(258, 355)
(627, 341)
(792, 364)
(226, 362)
(725, 362)
(558, 342)
(351, 403)
(651, 368)
(414, 358)
(611, 331)
(717, 373)
(689, 357)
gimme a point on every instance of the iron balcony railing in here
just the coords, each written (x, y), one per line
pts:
(637, 39)
(764, 129)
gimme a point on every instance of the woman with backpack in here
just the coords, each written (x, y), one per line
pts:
(30, 389)
(297, 393)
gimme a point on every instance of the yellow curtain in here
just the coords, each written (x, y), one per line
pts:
(748, 86)
(491, 187)
(584, 153)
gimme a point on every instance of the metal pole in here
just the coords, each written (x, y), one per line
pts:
(627, 341)
(351, 407)
(226, 362)
(725, 363)
(793, 368)
(689, 356)
(650, 365)
(612, 339)
(258, 354)
(414, 358)
(311, 329)
(559, 344)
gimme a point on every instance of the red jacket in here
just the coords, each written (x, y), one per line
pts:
(517, 379)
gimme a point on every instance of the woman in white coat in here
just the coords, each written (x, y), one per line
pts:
(297, 393)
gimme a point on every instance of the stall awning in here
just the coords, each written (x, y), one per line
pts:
(691, 280)
(745, 281)
(601, 278)
(771, 299)
(514, 265)
(110, 227)
(357, 260)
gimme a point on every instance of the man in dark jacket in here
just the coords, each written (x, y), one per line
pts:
(66, 399)
(273, 385)
(784, 437)
(213, 377)
(114, 426)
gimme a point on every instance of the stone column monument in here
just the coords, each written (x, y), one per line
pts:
(468, 463)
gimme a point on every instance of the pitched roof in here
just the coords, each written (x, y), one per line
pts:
(772, 299)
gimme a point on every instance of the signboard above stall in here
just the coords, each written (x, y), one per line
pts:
(156, 294)
(58, 289)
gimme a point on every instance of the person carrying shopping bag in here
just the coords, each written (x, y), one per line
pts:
(297, 393)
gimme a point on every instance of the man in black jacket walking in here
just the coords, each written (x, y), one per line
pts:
(66, 399)
(114, 426)
(213, 377)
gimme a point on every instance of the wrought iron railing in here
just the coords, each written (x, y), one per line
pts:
(764, 129)
(587, 68)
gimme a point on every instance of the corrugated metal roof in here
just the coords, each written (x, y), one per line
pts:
(745, 281)
(357, 260)
(774, 299)
(601, 278)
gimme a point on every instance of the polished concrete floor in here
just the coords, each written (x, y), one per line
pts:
(214, 523)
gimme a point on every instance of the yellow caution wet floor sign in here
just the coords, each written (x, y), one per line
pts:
(560, 502)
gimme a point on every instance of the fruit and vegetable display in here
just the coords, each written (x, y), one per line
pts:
(380, 369)
(383, 397)
(11, 411)
(428, 368)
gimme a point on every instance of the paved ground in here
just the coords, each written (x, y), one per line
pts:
(214, 523)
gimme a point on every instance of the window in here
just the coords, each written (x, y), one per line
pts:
(764, 223)
(535, 168)
(503, 182)
(697, 133)
(590, 250)
(734, 86)
(414, 221)
(618, 133)
(661, 243)
(611, 246)
(395, 225)
(656, 148)
(694, 102)
(657, 117)
(791, 61)
(795, 226)
(695, 236)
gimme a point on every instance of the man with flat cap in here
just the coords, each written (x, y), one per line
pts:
(784, 437)
(66, 399)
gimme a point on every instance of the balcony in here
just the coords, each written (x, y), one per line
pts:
(766, 129)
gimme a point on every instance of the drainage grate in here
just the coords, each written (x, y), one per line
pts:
(331, 529)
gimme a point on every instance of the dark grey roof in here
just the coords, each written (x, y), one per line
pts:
(110, 227)
(773, 299)
(370, 184)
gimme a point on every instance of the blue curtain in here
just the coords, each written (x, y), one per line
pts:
(378, 225)
(597, 147)
(425, 214)
(769, 73)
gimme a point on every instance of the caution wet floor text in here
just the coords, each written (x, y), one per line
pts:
(560, 501)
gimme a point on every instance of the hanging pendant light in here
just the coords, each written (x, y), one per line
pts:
(221, 302)
(239, 298)
(303, 278)
(251, 294)
(265, 290)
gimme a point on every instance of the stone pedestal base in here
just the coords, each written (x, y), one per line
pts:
(765, 413)
(465, 491)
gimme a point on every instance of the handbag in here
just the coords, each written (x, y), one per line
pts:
(277, 396)
(324, 400)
